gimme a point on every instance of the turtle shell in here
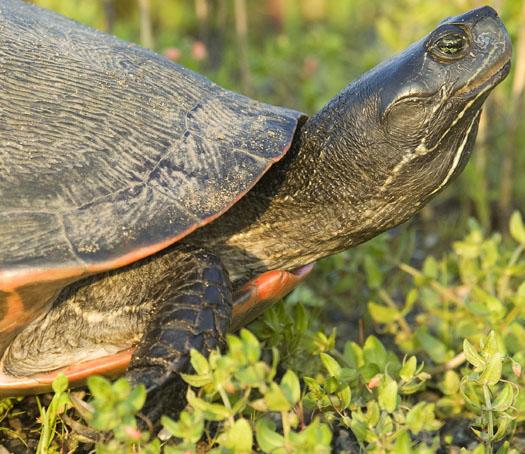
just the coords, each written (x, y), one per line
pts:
(108, 154)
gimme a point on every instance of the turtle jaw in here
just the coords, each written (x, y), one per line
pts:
(487, 83)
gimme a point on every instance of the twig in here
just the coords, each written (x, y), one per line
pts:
(457, 361)
(241, 28)
(516, 102)
(146, 31)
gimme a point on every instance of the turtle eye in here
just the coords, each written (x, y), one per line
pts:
(450, 44)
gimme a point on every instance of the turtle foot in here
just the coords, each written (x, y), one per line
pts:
(194, 314)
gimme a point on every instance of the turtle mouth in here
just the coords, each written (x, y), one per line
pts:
(486, 83)
(496, 77)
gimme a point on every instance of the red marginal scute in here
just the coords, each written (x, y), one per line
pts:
(255, 297)
(263, 291)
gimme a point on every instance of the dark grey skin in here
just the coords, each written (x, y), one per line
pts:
(372, 157)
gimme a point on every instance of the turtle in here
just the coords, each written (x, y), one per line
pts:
(146, 211)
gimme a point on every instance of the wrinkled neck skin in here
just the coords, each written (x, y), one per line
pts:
(374, 155)
(323, 197)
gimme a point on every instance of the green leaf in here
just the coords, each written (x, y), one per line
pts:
(137, 397)
(253, 375)
(479, 449)
(253, 347)
(387, 397)
(199, 362)
(473, 356)
(492, 371)
(213, 412)
(436, 349)
(276, 400)
(504, 399)
(450, 383)
(430, 267)
(374, 275)
(505, 422)
(403, 444)
(331, 365)
(383, 314)
(100, 388)
(312, 384)
(322, 342)
(483, 303)
(374, 352)
(359, 429)
(468, 391)
(345, 396)
(408, 369)
(315, 438)
(504, 449)
(517, 230)
(190, 426)
(373, 413)
(60, 384)
(410, 300)
(353, 355)
(238, 438)
(421, 417)
(121, 388)
(267, 438)
(491, 345)
(291, 387)
(197, 380)
(236, 349)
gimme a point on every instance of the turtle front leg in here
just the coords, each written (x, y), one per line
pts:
(195, 313)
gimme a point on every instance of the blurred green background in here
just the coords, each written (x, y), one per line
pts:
(299, 53)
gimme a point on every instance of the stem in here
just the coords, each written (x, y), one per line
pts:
(109, 15)
(241, 28)
(146, 30)
(490, 428)
(286, 429)
(480, 194)
(226, 403)
(300, 411)
(457, 361)
(504, 281)
(511, 316)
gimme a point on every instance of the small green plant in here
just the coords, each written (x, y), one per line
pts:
(49, 416)
(375, 410)
(487, 394)
(473, 296)
(113, 412)
(248, 394)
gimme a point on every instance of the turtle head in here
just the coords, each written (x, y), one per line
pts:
(407, 127)
(429, 100)
(388, 142)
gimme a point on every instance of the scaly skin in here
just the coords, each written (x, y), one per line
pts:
(196, 314)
